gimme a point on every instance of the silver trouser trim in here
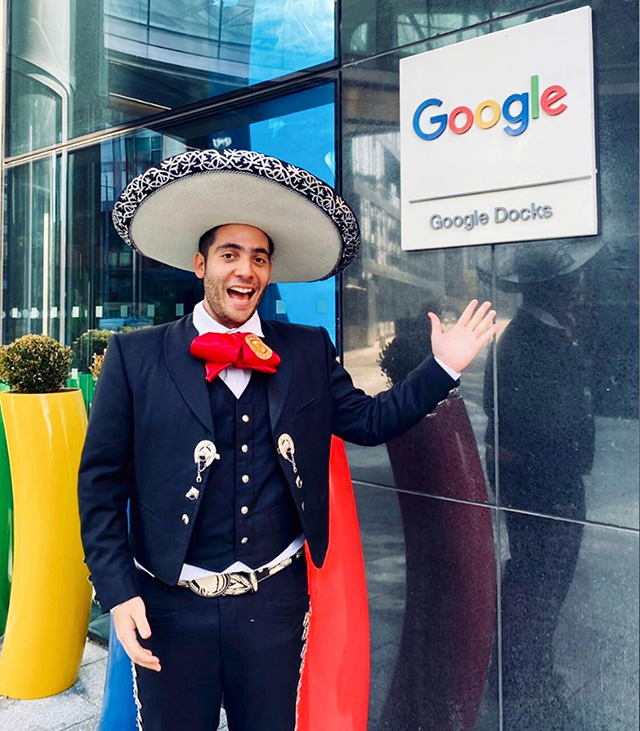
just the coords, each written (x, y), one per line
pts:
(136, 697)
(303, 654)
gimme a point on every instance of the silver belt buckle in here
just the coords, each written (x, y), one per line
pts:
(225, 584)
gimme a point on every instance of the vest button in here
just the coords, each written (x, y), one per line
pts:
(185, 519)
(245, 418)
(244, 509)
(245, 479)
(244, 448)
(244, 540)
(302, 505)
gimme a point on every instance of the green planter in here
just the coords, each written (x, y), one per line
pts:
(87, 386)
(86, 383)
(6, 526)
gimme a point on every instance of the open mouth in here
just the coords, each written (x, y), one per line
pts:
(241, 295)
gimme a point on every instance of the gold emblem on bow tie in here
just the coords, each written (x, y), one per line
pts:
(262, 350)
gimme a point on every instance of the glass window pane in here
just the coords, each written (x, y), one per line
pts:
(31, 264)
(564, 579)
(77, 67)
(105, 285)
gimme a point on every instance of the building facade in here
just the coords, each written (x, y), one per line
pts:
(500, 536)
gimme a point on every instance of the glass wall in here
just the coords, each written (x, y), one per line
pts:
(80, 66)
(32, 253)
(94, 281)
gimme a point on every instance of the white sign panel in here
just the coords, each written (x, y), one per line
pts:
(497, 137)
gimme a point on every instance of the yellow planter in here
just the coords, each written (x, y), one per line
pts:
(50, 596)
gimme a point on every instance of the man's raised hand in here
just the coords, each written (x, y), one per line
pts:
(459, 346)
(128, 617)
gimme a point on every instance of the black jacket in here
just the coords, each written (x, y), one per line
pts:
(152, 408)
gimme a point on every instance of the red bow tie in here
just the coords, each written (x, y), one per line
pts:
(242, 350)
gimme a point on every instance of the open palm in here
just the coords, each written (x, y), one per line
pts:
(459, 346)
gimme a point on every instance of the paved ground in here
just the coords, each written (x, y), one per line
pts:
(77, 709)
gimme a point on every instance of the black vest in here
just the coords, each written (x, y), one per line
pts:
(247, 512)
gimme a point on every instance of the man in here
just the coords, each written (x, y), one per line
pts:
(227, 477)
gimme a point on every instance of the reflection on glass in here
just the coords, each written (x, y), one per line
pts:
(375, 26)
(431, 583)
(545, 447)
(76, 67)
(546, 437)
(31, 265)
(438, 456)
(100, 285)
(433, 674)
(579, 625)
(387, 293)
(449, 555)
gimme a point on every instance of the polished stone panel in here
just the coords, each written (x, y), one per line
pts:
(374, 26)
(569, 626)
(567, 380)
(387, 294)
(377, 26)
(561, 429)
(432, 597)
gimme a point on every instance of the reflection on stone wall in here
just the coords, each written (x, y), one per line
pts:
(552, 407)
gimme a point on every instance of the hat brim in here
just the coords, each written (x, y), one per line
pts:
(164, 212)
(510, 279)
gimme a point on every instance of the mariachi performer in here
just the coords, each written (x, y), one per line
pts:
(216, 430)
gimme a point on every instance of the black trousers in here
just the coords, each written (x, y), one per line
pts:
(244, 651)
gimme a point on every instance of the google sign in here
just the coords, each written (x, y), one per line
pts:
(517, 109)
(497, 140)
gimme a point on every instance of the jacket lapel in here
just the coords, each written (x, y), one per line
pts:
(278, 384)
(187, 371)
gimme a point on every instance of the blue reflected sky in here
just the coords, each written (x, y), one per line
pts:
(305, 138)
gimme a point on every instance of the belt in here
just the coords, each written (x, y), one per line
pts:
(236, 583)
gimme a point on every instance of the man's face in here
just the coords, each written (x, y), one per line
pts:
(235, 273)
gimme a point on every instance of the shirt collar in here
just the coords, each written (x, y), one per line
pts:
(204, 323)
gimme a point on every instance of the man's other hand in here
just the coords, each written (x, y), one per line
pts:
(459, 346)
(129, 617)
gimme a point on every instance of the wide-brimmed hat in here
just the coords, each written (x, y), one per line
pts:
(163, 212)
(529, 264)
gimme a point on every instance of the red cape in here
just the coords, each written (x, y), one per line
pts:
(334, 690)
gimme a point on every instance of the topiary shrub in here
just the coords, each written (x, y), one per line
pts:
(35, 364)
(90, 343)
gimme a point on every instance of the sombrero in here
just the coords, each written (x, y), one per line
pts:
(531, 264)
(163, 212)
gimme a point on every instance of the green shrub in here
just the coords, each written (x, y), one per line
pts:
(35, 364)
(87, 345)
